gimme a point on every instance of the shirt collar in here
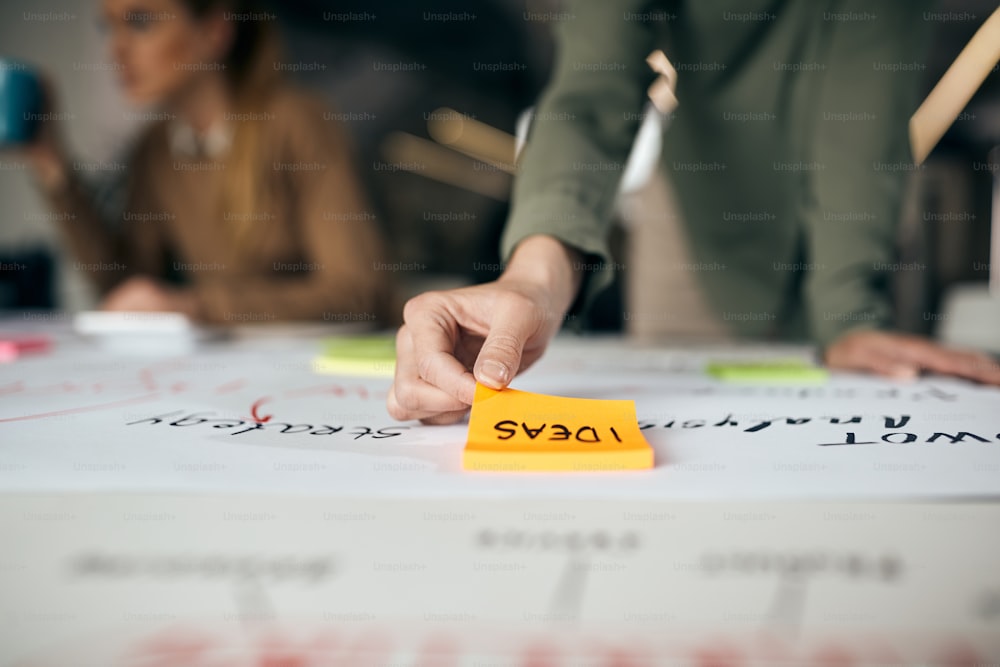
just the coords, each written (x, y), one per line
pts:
(185, 141)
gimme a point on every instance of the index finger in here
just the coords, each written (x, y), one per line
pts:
(435, 334)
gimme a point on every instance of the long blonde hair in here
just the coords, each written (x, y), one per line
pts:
(252, 77)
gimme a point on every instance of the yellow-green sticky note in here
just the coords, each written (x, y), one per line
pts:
(367, 356)
(773, 371)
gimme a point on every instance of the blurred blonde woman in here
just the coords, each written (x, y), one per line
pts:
(242, 201)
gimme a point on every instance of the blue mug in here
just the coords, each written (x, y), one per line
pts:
(21, 101)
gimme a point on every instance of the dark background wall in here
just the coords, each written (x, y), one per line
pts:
(345, 50)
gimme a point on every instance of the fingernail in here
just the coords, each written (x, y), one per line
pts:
(903, 372)
(494, 374)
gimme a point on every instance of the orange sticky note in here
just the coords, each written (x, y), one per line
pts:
(517, 431)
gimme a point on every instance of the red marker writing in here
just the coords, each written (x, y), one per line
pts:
(253, 411)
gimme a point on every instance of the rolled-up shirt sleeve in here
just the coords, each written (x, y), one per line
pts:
(583, 127)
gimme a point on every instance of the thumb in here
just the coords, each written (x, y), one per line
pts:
(500, 357)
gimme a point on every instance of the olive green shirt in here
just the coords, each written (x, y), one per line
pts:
(789, 149)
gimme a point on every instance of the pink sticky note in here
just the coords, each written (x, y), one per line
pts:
(12, 347)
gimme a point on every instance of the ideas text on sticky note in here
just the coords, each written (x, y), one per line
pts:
(517, 431)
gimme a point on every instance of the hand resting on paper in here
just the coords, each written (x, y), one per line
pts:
(903, 356)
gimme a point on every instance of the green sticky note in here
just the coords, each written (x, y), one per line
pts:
(774, 371)
(369, 356)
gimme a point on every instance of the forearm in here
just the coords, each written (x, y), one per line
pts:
(583, 129)
(549, 264)
(97, 251)
(856, 198)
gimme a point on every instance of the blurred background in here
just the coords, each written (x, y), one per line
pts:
(386, 66)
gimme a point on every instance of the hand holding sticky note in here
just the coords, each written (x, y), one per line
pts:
(517, 431)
